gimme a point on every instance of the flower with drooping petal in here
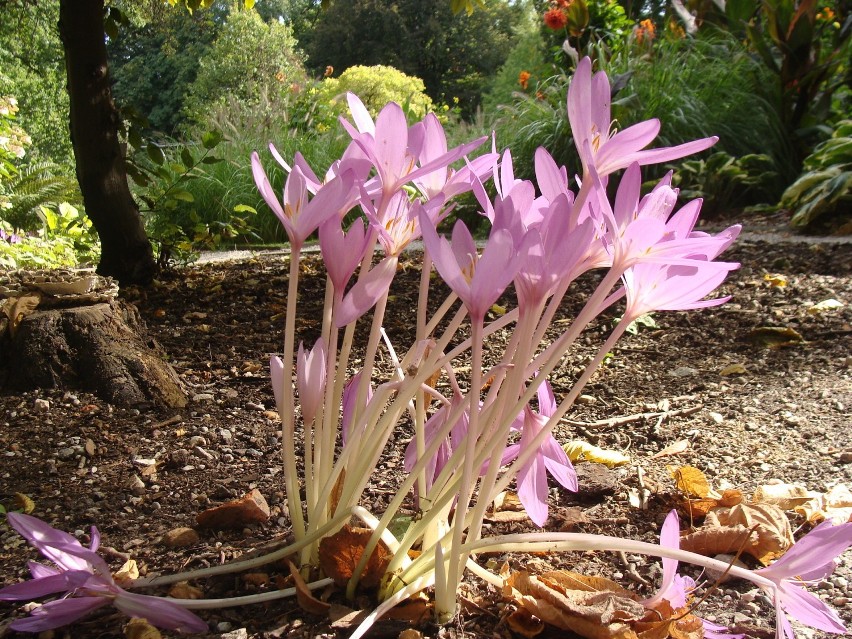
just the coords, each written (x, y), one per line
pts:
(598, 143)
(366, 291)
(677, 588)
(87, 582)
(342, 251)
(531, 480)
(811, 558)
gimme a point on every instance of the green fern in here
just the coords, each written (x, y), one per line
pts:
(37, 185)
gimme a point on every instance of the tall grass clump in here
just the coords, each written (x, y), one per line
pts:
(707, 84)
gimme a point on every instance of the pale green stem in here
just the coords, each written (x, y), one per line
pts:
(561, 542)
(287, 411)
(229, 602)
(446, 605)
(247, 564)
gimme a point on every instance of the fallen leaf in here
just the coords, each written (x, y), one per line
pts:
(775, 337)
(340, 553)
(138, 628)
(306, 600)
(785, 496)
(825, 305)
(23, 503)
(835, 505)
(522, 622)
(713, 540)
(571, 517)
(768, 521)
(672, 449)
(128, 572)
(733, 369)
(690, 481)
(182, 590)
(578, 450)
(17, 308)
(776, 279)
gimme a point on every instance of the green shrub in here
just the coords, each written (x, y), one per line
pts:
(34, 187)
(250, 58)
(726, 182)
(824, 190)
(65, 239)
(376, 86)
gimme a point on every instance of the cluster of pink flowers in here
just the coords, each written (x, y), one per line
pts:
(471, 440)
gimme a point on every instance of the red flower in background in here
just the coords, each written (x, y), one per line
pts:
(555, 19)
(523, 79)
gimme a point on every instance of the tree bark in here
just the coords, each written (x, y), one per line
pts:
(102, 348)
(126, 252)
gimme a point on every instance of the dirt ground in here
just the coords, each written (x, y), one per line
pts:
(783, 417)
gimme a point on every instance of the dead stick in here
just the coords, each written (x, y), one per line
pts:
(636, 417)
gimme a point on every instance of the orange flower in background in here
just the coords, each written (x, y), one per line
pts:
(555, 19)
(645, 31)
(523, 79)
(563, 4)
(328, 71)
(825, 14)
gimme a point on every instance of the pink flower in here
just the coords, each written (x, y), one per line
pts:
(477, 279)
(299, 215)
(676, 588)
(310, 379)
(598, 143)
(366, 291)
(394, 149)
(87, 582)
(531, 480)
(342, 252)
(812, 558)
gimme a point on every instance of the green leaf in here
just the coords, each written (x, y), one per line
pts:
(155, 153)
(738, 11)
(211, 159)
(183, 196)
(211, 139)
(244, 208)
(177, 167)
(186, 157)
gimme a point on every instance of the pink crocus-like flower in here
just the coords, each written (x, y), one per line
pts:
(310, 379)
(550, 458)
(394, 149)
(811, 558)
(477, 279)
(598, 143)
(86, 581)
(342, 251)
(300, 215)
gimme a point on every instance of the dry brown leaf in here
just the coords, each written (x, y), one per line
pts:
(785, 496)
(128, 572)
(17, 308)
(697, 509)
(571, 517)
(835, 505)
(522, 622)
(664, 621)
(413, 611)
(340, 553)
(138, 628)
(733, 369)
(336, 492)
(306, 600)
(771, 524)
(593, 607)
(507, 500)
(23, 503)
(182, 590)
(672, 449)
(690, 481)
(712, 540)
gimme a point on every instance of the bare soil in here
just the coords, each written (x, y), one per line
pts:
(785, 418)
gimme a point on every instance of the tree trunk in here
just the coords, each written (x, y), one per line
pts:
(100, 348)
(126, 253)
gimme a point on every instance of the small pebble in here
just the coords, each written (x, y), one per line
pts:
(41, 405)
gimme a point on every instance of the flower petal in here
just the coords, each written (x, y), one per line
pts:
(159, 612)
(55, 614)
(35, 588)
